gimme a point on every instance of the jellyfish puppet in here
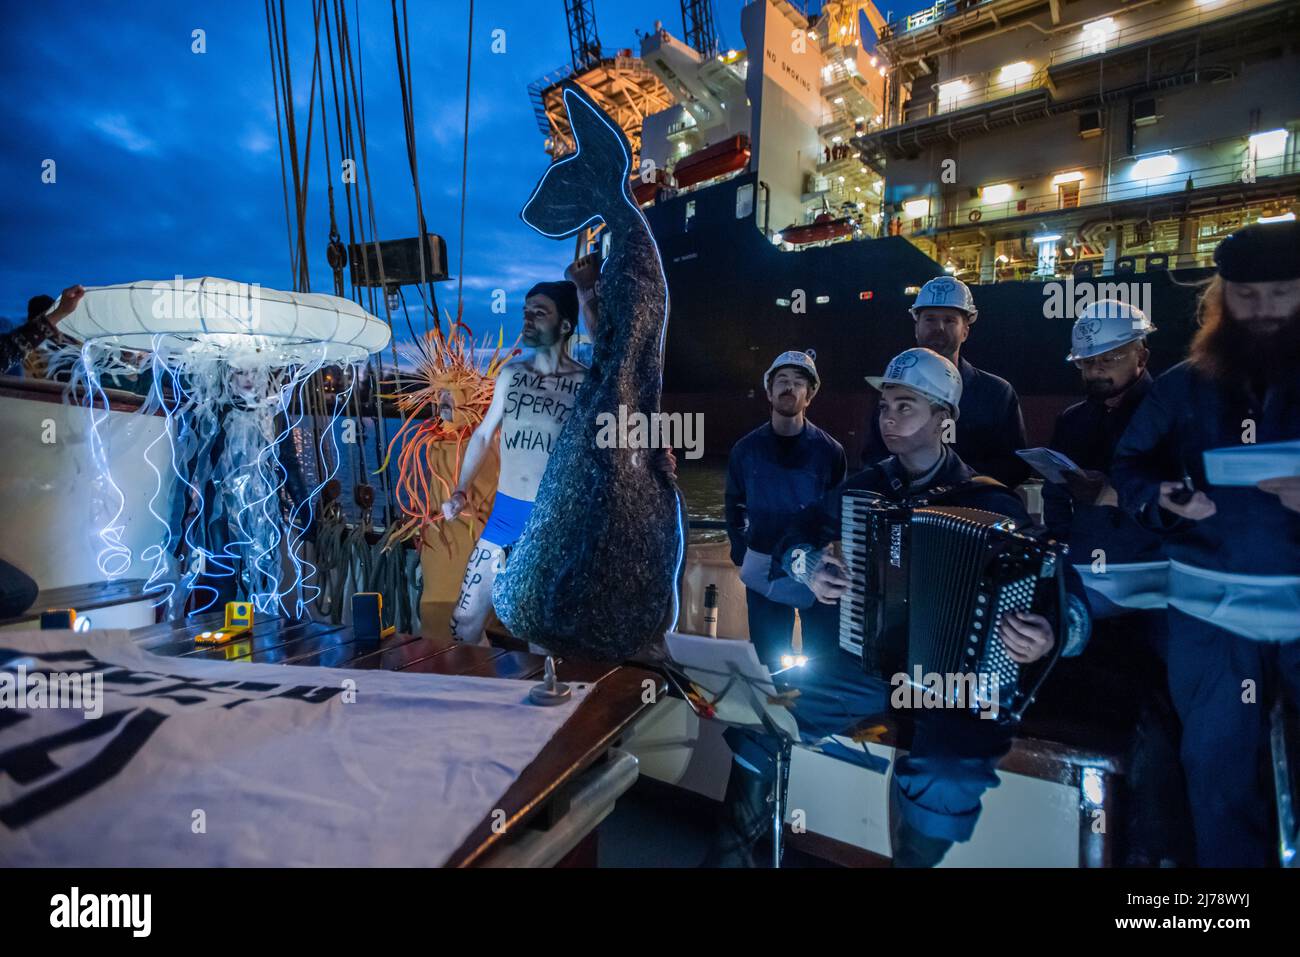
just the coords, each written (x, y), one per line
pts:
(231, 364)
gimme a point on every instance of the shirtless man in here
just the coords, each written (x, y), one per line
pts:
(533, 396)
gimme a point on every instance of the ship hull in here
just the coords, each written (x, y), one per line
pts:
(738, 301)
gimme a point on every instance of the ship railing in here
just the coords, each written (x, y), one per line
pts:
(928, 17)
(1121, 188)
(1095, 37)
(831, 120)
(972, 92)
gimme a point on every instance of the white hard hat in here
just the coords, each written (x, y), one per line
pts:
(800, 360)
(948, 293)
(1105, 325)
(926, 372)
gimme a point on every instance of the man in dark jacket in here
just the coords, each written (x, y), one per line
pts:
(938, 785)
(1233, 547)
(991, 426)
(1109, 348)
(1124, 572)
(774, 471)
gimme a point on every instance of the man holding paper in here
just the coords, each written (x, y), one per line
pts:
(1109, 349)
(1123, 566)
(1234, 551)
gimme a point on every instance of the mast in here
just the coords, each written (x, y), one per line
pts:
(584, 44)
(697, 26)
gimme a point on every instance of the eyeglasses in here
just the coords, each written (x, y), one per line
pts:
(1107, 360)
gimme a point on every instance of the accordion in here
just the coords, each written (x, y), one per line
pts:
(930, 586)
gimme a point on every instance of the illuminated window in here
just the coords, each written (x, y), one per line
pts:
(1153, 167)
(998, 193)
(951, 93)
(916, 208)
(1268, 145)
(1015, 72)
(1097, 34)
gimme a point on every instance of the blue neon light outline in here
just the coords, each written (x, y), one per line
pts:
(570, 92)
(115, 557)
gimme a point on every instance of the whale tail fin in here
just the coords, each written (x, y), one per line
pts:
(587, 184)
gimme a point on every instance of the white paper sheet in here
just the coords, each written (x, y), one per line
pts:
(204, 763)
(1049, 463)
(1250, 464)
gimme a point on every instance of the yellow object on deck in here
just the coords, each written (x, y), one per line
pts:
(239, 619)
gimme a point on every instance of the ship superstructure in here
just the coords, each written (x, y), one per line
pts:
(1042, 138)
(803, 188)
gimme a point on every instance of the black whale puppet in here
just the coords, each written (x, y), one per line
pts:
(594, 574)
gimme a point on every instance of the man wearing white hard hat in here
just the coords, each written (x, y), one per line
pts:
(1109, 349)
(1124, 571)
(773, 472)
(938, 786)
(991, 427)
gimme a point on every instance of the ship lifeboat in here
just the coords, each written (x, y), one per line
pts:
(728, 156)
(647, 191)
(820, 230)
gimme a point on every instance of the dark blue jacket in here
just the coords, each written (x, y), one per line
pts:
(1088, 433)
(990, 428)
(820, 524)
(769, 480)
(1184, 414)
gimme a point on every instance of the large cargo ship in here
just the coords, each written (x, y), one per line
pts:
(1047, 153)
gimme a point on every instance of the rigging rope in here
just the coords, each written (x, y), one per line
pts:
(464, 170)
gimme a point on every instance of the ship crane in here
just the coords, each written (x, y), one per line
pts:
(697, 26)
(616, 79)
(624, 87)
(584, 43)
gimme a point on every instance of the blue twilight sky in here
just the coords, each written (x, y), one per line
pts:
(167, 160)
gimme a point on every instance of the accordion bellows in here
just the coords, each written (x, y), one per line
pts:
(930, 586)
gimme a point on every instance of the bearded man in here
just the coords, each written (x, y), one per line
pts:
(1234, 550)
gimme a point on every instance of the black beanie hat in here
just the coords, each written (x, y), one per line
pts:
(565, 296)
(1261, 252)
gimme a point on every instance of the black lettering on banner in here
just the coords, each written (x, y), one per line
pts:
(124, 676)
(34, 757)
(68, 657)
(129, 730)
(31, 761)
(310, 694)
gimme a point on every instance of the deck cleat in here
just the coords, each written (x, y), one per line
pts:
(550, 691)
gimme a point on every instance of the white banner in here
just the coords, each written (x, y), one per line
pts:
(110, 756)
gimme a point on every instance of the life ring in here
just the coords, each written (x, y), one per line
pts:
(976, 215)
